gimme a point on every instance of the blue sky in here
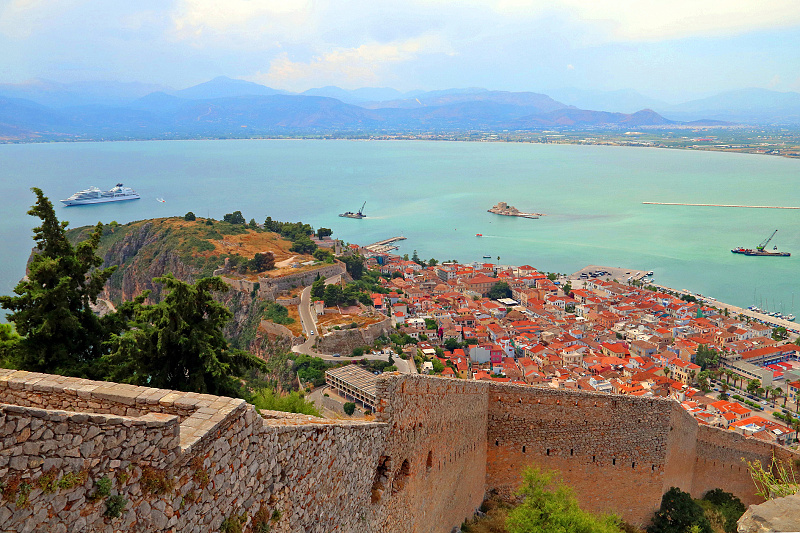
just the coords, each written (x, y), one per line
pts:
(672, 50)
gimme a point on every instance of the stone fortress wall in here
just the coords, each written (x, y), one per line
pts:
(186, 461)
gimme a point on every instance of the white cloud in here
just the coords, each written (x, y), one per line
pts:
(366, 64)
(654, 20)
(20, 19)
(242, 21)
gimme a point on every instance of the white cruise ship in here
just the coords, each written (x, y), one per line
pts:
(93, 195)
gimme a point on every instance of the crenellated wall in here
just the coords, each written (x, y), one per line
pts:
(186, 461)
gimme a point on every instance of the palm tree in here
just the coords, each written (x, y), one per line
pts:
(667, 372)
(777, 392)
(767, 391)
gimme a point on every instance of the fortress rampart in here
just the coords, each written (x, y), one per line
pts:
(186, 461)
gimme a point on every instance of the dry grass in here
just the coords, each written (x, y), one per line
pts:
(337, 319)
(296, 327)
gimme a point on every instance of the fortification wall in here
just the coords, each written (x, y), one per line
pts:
(588, 437)
(269, 287)
(434, 461)
(345, 340)
(282, 331)
(221, 461)
(186, 462)
(720, 462)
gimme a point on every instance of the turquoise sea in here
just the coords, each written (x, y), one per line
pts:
(437, 194)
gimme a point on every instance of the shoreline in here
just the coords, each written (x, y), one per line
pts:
(402, 137)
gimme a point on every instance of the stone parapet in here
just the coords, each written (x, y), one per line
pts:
(73, 449)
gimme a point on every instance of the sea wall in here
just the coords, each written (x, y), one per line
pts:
(188, 462)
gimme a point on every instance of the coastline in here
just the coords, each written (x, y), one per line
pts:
(485, 137)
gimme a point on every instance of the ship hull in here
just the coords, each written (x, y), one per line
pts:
(69, 203)
(751, 253)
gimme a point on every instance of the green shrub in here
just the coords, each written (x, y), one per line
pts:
(349, 408)
(550, 507)
(115, 505)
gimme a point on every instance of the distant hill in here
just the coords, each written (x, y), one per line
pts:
(757, 106)
(356, 96)
(224, 87)
(621, 101)
(225, 107)
(583, 117)
(59, 95)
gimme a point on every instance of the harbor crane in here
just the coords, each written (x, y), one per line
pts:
(764, 244)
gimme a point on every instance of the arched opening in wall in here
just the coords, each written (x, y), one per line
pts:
(572, 451)
(548, 451)
(633, 464)
(614, 461)
(401, 477)
(652, 468)
(429, 461)
(523, 449)
(497, 442)
(381, 480)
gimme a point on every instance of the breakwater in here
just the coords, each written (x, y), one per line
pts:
(724, 205)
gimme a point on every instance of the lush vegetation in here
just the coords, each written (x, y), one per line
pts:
(548, 506)
(277, 313)
(500, 290)
(52, 307)
(706, 357)
(175, 343)
(717, 511)
(293, 402)
(297, 232)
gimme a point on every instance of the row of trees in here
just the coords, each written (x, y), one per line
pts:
(175, 344)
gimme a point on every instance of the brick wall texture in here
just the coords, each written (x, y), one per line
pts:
(187, 462)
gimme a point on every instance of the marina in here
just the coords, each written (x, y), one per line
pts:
(385, 245)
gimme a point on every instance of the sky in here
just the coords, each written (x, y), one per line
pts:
(674, 50)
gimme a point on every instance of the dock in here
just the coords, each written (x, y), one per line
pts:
(724, 205)
(385, 245)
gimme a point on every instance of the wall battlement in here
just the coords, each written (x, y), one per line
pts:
(186, 461)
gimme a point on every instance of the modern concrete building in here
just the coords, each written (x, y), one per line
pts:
(353, 383)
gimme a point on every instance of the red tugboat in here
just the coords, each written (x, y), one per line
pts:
(761, 249)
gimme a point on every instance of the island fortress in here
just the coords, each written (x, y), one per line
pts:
(510, 211)
(188, 461)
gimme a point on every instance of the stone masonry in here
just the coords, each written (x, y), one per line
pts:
(78, 455)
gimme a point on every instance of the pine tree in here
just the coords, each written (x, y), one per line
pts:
(52, 313)
(178, 343)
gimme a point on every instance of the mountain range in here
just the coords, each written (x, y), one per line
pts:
(231, 107)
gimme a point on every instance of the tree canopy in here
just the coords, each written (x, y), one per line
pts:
(178, 342)
(52, 307)
(679, 513)
(500, 290)
(550, 507)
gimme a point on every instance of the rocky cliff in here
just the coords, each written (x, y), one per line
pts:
(189, 250)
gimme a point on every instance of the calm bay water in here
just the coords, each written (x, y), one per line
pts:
(437, 193)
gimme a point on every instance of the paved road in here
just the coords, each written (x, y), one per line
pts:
(308, 319)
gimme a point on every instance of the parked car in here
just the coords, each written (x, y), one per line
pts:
(337, 355)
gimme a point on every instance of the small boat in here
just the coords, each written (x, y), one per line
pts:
(161, 200)
(487, 256)
(479, 234)
(790, 317)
